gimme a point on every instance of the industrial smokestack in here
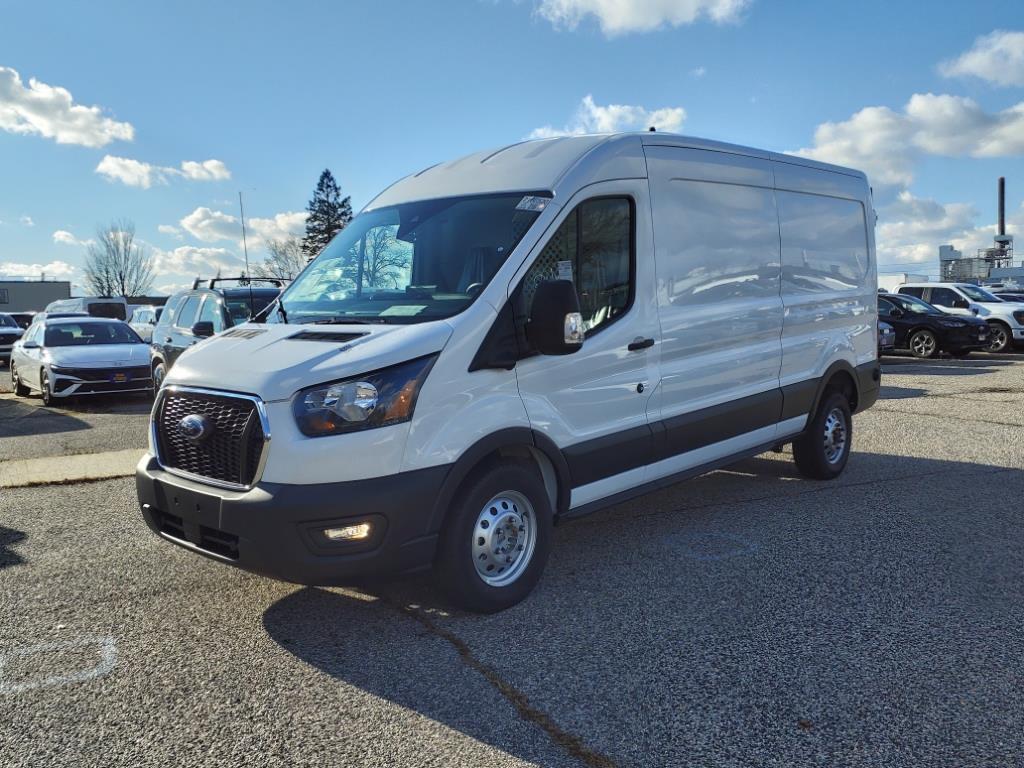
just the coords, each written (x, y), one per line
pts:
(1002, 205)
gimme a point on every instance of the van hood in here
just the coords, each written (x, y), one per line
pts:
(275, 361)
(99, 355)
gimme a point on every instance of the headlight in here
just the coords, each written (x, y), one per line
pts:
(377, 399)
(953, 323)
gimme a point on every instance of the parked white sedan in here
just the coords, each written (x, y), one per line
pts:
(71, 356)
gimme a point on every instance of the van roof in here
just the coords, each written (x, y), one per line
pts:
(544, 164)
(80, 318)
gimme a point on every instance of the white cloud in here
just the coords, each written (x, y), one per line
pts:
(618, 17)
(698, 72)
(50, 111)
(63, 237)
(886, 143)
(136, 173)
(997, 57)
(280, 226)
(193, 260)
(612, 118)
(210, 226)
(57, 268)
(169, 229)
(26, 221)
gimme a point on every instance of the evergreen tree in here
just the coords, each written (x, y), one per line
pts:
(329, 213)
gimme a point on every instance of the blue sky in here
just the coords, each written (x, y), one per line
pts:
(927, 97)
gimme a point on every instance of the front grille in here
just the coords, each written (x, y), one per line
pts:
(135, 385)
(104, 374)
(231, 451)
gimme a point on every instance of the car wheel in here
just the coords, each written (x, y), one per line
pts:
(495, 541)
(1000, 338)
(19, 388)
(923, 344)
(822, 451)
(159, 371)
(44, 385)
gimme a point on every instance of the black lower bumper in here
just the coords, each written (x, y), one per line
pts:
(869, 384)
(277, 530)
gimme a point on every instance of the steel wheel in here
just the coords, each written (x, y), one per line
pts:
(835, 436)
(999, 337)
(504, 538)
(923, 344)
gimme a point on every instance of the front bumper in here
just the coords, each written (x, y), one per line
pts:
(277, 530)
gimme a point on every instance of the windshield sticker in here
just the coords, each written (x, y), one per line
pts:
(403, 309)
(532, 203)
(565, 270)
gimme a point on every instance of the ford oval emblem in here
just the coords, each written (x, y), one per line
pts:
(194, 428)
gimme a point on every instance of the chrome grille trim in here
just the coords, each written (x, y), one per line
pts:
(154, 438)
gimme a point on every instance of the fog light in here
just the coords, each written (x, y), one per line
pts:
(348, 533)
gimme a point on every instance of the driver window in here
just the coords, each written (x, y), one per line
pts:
(211, 313)
(944, 297)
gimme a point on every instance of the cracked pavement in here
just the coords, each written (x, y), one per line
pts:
(745, 618)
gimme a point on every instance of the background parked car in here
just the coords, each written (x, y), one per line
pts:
(70, 356)
(193, 315)
(96, 306)
(886, 338)
(23, 319)
(1010, 295)
(1005, 319)
(9, 333)
(926, 330)
(143, 319)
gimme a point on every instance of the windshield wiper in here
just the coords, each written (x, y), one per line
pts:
(281, 312)
(341, 320)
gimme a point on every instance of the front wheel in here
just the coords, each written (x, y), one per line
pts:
(822, 451)
(923, 344)
(496, 539)
(999, 339)
(44, 386)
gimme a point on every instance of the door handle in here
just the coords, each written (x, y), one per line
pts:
(640, 343)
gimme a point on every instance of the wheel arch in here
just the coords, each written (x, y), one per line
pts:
(839, 376)
(520, 442)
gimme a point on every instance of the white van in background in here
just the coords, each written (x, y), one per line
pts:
(521, 336)
(115, 308)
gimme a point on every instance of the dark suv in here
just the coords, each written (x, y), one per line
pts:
(926, 330)
(196, 314)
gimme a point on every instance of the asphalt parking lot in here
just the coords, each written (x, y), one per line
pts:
(747, 618)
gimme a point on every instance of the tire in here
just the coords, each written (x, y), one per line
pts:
(495, 510)
(1000, 337)
(19, 388)
(44, 388)
(159, 372)
(923, 344)
(960, 354)
(816, 454)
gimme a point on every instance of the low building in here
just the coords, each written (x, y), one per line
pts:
(31, 295)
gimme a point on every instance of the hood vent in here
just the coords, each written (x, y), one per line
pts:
(337, 336)
(244, 333)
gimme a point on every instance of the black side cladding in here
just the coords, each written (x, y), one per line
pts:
(500, 348)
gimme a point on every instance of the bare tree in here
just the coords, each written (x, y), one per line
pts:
(115, 265)
(385, 258)
(285, 261)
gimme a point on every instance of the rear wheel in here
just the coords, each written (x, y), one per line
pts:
(19, 388)
(495, 541)
(159, 371)
(822, 451)
(923, 344)
(999, 338)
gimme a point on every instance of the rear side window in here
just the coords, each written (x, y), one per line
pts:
(187, 314)
(824, 243)
(944, 297)
(170, 309)
(593, 247)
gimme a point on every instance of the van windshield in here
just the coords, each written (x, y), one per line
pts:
(411, 263)
(978, 294)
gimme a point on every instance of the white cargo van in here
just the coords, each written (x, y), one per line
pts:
(518, 337)
(115, 308)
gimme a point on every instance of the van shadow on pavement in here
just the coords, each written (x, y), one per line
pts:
(972, 366)
(18, 419)
(864, 618)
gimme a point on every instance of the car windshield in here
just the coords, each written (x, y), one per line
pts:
(89, 334)
(411, 263)
(917, 306)
(6, 321)
(976, 293)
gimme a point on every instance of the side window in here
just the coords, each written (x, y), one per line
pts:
(187, 314)
(918, 292)
(594, 248)
(170, 310)
(885, 307)
(211, 313)
(944, 297)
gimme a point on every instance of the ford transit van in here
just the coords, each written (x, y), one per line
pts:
(515, 338)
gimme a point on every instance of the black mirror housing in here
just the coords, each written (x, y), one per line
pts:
(203, 329)
(555, 327)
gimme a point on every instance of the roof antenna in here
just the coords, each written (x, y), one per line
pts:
(652, 129)
(245, 248)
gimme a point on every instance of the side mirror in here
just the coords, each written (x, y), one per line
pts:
(30, 345)
(975, 310)
(203, 329)
(556, 326)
